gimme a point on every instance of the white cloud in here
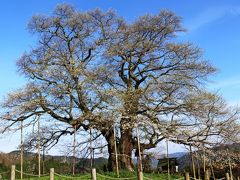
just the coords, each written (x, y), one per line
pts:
(229, 88)
(233, 82)
(210, 15)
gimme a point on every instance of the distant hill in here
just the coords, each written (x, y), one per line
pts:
(154, 160)
(60, 163)
(177, 154)
(7, 159)
(219, 158)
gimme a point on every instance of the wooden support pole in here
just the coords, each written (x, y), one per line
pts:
(13, 172)
(206, 175)
(21, 151)
(93, 156)
(39, 145)
(212, 170)
(140, 169)
(168, 164)
(43, 160)
(198, 166)
(187, 177)
(204, 160)
(116, 152)
(140, 175)
(91, 149)
(230, 166)
(74, 150)
(227, 176)
(52, 174)
(94, 174)
(193, 164)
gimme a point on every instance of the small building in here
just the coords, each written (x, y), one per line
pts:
(163, 164)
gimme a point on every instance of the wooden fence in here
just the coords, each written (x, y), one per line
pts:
(140, 176)
(208, 177)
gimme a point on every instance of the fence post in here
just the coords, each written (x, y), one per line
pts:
(94, 174)
(176, 169)
(140, 175)
(13, 172)
(52, 174)
(206, 175)
(187, 177)
(227, 176)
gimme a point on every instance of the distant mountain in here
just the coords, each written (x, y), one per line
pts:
(177, 154)
(154, 160)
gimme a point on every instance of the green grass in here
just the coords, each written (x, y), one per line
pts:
(162, 176)
(105, 175)
(127, 174)
(62, 177)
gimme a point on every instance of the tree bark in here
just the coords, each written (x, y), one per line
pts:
(111, 150)
(125, 149)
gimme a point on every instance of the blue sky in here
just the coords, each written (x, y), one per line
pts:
(212, 25)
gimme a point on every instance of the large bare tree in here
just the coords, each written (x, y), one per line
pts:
(92, 69)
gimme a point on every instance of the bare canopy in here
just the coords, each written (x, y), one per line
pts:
(93, 69)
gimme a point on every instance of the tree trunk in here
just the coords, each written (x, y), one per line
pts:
(111, 150)
(125, 149)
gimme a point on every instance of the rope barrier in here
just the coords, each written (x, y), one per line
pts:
(220, 178)
(144, 177)
(44, 175)
(29, 178)
(67, 177)
(33, 175)
(194, 178)
(4, 172)
(71, 177)
(200, 179)
(108, 177)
